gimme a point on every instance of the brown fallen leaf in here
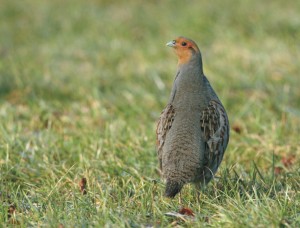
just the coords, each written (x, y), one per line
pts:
(237, 128)
(82, 186)
(288, 161)
(11, 211)
(11, 215)
(278, 170)
(186, 211)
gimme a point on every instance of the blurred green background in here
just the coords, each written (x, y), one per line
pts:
(82, 84)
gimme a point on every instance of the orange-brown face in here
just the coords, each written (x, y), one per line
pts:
(184, 49)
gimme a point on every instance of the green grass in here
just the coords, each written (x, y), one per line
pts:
(82, 84)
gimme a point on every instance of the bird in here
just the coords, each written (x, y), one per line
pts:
(192, 131)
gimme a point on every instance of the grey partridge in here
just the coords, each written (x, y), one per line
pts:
(193, 129)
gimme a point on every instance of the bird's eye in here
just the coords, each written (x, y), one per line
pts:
(183, 43)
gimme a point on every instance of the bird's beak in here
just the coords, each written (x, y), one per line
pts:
(171, 43)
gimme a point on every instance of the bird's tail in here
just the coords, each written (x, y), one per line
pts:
(172, 188)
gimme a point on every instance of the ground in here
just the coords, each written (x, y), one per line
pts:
(82, 84)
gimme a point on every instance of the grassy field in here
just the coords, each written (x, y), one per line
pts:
(82, 84)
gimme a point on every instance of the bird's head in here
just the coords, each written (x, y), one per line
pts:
(185, 49)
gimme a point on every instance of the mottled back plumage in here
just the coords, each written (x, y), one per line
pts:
(193, 129)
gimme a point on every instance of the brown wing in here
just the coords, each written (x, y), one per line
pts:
(163, 126)
(215, 129)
